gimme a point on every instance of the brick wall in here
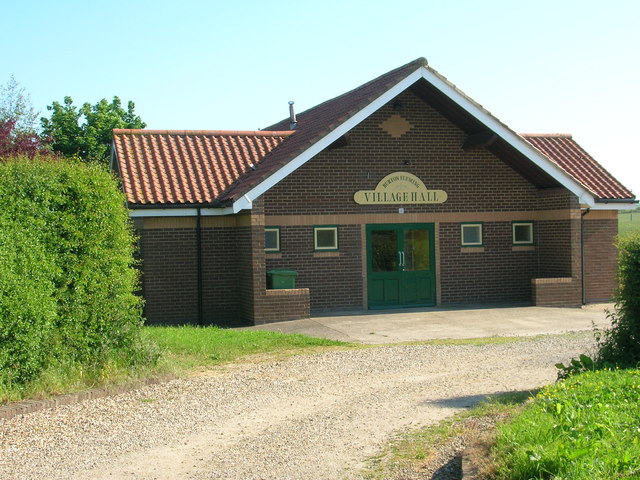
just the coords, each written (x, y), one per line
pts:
(499, 273)
(600, 258)
(170, 275)
(556, 292)
(554, 244)
(282, 305)
(475, 181)
(334, 279)
(169, 280)
(219, 276)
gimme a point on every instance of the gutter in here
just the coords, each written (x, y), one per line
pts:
(616, 200)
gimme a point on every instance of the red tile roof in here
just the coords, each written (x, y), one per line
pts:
(187, 167)
(219, 167)
(563, 150)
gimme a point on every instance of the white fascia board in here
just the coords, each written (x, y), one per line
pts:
(584, 196)
(331, 137)
(614, 206)
(179, 212)
(528, 150)
(244, 203)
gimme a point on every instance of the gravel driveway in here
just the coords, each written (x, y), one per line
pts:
(310, 416)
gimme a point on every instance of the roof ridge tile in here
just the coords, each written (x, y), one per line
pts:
(546, 135)
(233, 133)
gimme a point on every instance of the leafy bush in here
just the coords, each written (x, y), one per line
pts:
(620, 345)
(68, 279)
(583, 363)
(27, 303)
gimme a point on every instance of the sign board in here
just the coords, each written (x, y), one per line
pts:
(400, 188)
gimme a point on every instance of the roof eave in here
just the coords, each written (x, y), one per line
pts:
(511, 137)
(328, 139)
(179, 211)
(614, 204)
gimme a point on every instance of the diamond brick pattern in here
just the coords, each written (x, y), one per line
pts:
(396, 126)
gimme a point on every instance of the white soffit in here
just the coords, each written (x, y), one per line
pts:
(613, 206)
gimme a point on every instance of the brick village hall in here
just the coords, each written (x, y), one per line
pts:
(403, 192)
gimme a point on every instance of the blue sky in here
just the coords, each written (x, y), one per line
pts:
(539, 66)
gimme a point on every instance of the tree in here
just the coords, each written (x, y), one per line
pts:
(86, 132)
(14, 142)
(18, 135)
(15, 104)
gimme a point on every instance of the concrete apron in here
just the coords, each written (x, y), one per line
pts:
(411, 325)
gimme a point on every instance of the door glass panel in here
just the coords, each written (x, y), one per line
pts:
(384, 250)
(416, 250)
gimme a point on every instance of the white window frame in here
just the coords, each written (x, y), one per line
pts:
(315, 238)
(513, 233)
(471, 244)
(272, 229)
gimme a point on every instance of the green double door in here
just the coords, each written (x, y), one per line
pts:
(400, 265)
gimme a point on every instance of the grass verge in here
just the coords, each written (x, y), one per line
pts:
(181, 350)
(420, 453)
(583, 428)
(190, 348)
(186, 349)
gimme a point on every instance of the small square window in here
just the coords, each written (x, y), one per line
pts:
(272, 239)
(471, 234)
(325, 238)
(522, 233)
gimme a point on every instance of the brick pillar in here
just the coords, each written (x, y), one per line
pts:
(600, 255)
(252, 282)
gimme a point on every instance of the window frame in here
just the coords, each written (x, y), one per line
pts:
(273, 229)
(513, 233)
(471, 224)
(318, 228)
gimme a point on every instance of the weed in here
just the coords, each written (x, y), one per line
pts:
(582, 428)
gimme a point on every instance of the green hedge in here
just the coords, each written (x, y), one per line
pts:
(620, 345)
(67, 278)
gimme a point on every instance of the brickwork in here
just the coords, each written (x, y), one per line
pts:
(600, 260)
(219, 276)
(169, 280)
(281, 305)
(556, 198)
(246, 280)
(556, 292)
(496, 273)
(335, 282)
(475, 180)
(554, 245)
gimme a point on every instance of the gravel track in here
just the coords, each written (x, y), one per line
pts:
(307, 417)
